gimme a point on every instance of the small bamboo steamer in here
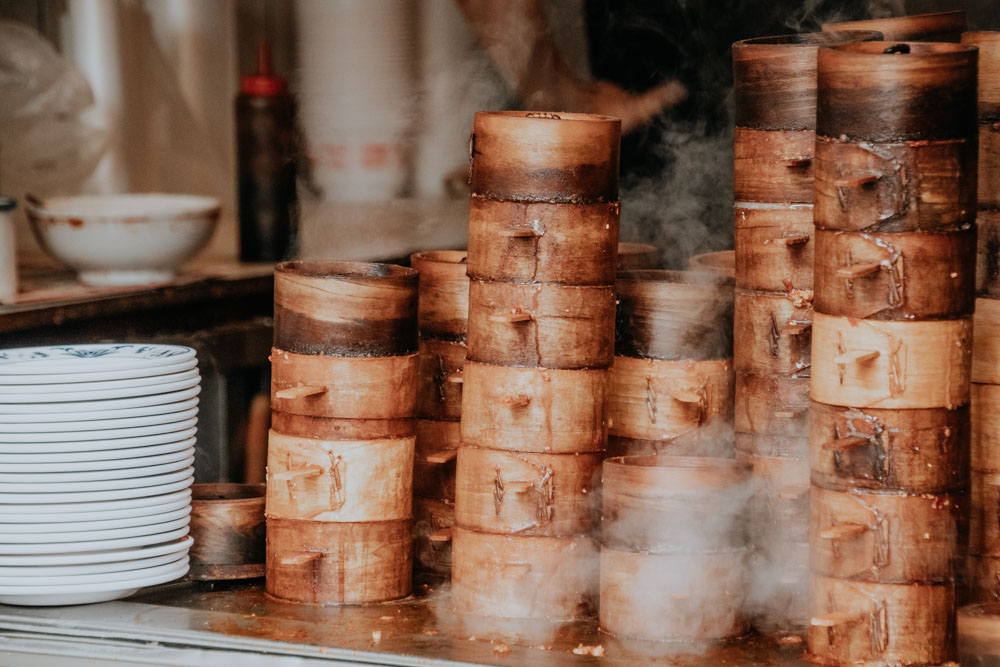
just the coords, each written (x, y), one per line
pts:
(773, 333)
(989, 164)
(433, 524)
(443, 306)
(779, 446)
(988, 254)
(891, 91)
(535, 409)
(771, 405)
(562, 244)
(440, 379)
(542, 156)
(648, 501)
(344, 387)
(774, 258)
(339, 481)
(526, 493)
(913, 451)
(936, 27)
(918, 186)
(550, 326)
(871, 623)
(887, 537)
(722, 262)
(982, 582)
(527, 577)
(673, 596)
(989, 71)
(985, 408)
(656, 400)
(227, 524)
(986, 344)
(345, 309)
(434, 459)
(773, 166)
(633, 256)
(984, 523)
(879, 364)
(322, 563)
(779, 505)
(674, 315)
(322, 428)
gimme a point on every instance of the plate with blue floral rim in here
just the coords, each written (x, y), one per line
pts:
(88, 358)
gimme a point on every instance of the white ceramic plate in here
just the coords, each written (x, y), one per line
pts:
(98, 424)
(41, 552)
(60, 464)
(97, 406)
(165, 546)
(52, 359)
(83, 526)
(97, 376)
(103, 457)
(127, 413)
(162, 485)
(108, 509)
(87, 446)
(53, 596)
(91, 482)
(81, 437)
(24, 543)
(128, 392)
(55, 482)
(30, 579)
(86, 388)
(94, 568)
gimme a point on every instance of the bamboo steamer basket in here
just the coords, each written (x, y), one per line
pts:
(891, 538)
(656, 400)
(988, 253)
(350, 309)
(650, 503)
(550, 326)
(632, 256)
(937, 27)
(527, 577)
(674, 315)
(344, 387)
(673, 596)
(768, 405)
(775, 79)
(985, 445)
(339, 481)
(443, 305)
(772, 333)
(545, 157)
(989, 164)
(916, 451)
(563, 244)
(986, 344)
(747, 214)
(779, 506)
(535, 409)
(989, 71)
(321, 428)
(984, 523)
(880, 364)
(714, 438)
(434, 460)
(722, 262)
(227, 524)
(526, 493)
(916, 186)
(773, 165)
(982, 582)
(886, 624)
(440, 379)
(778, 599)
(895, 276)
(779, 446)
(326, 563)
(978, 630)
(433, 524)
(776, 257)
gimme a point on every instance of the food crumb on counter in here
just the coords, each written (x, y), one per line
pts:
(376, 636)
(501, 649)
(595, 651)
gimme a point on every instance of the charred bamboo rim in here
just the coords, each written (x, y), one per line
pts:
(543, 116)
(952, 19)
(903, 54)
(227, 493)
(674, 277)
(329, 270)
(764, 46)
(666, 470)
(440, 257)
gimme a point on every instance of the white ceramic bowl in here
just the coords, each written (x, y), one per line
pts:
(129, 239)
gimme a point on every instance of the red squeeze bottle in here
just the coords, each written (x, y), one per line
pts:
(266, 168)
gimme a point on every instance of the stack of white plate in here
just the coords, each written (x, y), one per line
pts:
(96, 461)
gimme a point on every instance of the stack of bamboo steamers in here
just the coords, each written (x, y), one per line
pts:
(543, 235)
(341, 448)
(775, 107)
(895, 206)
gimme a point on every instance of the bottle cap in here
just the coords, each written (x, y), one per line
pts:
(263, 83)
